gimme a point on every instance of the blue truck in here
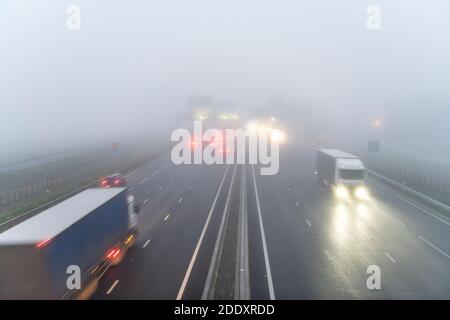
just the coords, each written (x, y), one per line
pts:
(62, 252)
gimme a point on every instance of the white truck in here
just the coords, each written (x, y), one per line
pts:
(343, 172)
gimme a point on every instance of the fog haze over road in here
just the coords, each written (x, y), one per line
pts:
(132, 66)
(224, 150)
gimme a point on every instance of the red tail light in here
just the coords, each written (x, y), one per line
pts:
(110, 253)
(42, 243)
(113, 253)
(116, 253)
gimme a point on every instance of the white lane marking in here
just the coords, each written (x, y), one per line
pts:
(390, 215)
(155, 172)
(398, 221)
(390, 257)
(130, 174)
(263, 237)
(200, 240)
(190, 187)
(145, 201)
(219, 240)
(328, 255)
(297, 204)
(143, 180)
(309, 223)
(166, 217)
(160, 188)
(433, 246)
(112, 287)
(179, 200)
(130, 188)
(146, 244)
(412, 204)
(48, 191)
(312, 143)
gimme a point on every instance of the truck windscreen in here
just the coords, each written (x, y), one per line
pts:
(349, 174)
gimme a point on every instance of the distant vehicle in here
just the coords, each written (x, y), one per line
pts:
(343, 172)
(115, 180)
(75, 241)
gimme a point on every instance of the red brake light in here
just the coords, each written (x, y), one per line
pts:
(113, 253)
(42, 243)
(116, 253)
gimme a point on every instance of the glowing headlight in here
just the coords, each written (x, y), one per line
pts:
(361, 193)
(278, 135)
(252, 126)
(341, 192)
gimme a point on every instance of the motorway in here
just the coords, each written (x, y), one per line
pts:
(285, 235)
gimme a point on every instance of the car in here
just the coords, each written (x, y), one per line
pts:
(115, 180)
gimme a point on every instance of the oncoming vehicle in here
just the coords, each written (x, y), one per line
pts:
(115, 180)
(343, 172)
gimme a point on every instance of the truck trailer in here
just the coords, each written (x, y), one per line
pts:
(62, 252)
(343, 172)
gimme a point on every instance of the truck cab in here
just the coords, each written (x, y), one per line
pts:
(344, 172)
(349, 179)
(349, 172)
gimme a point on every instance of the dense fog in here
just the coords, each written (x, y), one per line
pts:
(132, 65)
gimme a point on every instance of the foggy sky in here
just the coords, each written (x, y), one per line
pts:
(134, 63)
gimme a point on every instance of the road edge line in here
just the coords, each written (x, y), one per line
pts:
(263, 238)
